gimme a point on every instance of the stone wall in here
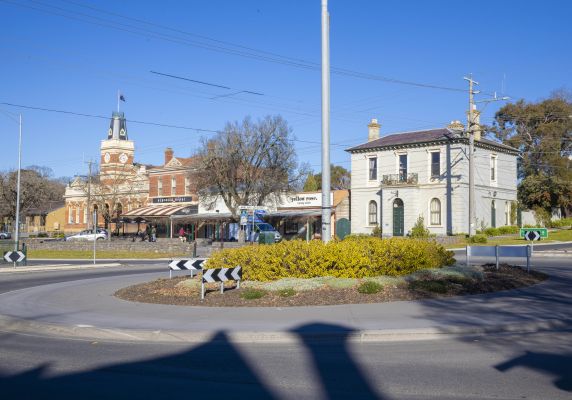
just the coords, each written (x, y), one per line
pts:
(167, 246)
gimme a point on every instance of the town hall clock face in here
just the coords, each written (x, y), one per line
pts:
(123, 158)
(106, 157)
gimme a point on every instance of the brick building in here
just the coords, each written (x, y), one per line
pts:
(122, 184)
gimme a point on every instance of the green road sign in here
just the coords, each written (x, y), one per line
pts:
(543, 232)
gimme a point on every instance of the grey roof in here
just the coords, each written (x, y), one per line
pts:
(407, 138)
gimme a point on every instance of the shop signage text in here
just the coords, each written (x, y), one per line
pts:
(181, 199)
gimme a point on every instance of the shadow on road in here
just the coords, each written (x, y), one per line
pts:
(213, 370)
(549, 302)
(556, 365)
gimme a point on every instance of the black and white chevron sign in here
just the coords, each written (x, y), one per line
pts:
(532, 235)
(14, 256)
(222, 274)
(195, 264)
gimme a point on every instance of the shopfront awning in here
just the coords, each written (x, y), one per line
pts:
(295, 213)
(161, 211)
(204, 217)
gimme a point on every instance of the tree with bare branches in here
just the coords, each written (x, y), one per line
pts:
(248, 163)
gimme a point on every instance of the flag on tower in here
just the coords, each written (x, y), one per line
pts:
(121, 97)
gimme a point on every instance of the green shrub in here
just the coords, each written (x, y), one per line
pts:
(508, 230)
(419, 231)
(288, 292)
(359, 257)
(559, 223)
(377, 231)
(252, 294)
(491, 232)
(542, 216)
(369, 287)
(477, 239)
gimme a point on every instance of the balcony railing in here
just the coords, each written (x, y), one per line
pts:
(399, 179)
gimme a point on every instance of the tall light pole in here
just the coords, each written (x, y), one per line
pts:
(17, 233)
(326, 205)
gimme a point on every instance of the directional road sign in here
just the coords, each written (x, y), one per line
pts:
(14, 256)
(190, 264)
(532, 235)
(222, 274)
(543, 232)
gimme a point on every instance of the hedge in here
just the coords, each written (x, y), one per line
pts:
(358, 257)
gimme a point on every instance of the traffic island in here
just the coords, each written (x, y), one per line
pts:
(423, 284)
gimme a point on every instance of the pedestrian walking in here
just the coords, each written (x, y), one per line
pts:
(153, 234)
(182, 234)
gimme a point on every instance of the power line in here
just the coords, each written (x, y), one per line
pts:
(247, 52)
(142, 122)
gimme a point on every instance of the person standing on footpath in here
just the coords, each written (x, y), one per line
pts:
(153, 234)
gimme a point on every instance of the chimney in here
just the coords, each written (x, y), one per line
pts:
(373, 130)
(168, 155)
(456, 126)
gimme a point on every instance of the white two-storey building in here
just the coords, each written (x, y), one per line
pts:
(399, 177)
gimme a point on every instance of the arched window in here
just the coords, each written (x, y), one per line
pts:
(435, 212)
(372, 213)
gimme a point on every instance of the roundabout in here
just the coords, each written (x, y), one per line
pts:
(88, 309)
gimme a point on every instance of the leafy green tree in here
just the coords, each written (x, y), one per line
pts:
(340, 178)
(419, 231)
(542, 131)
(310, 185)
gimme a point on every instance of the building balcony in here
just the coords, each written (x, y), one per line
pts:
(399, 179)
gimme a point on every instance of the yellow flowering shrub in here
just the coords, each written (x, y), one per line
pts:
(358, 257)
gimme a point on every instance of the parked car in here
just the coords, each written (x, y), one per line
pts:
(5, 235)
(266, 227)
(88, 235)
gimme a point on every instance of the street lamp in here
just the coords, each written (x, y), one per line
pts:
(17, 231)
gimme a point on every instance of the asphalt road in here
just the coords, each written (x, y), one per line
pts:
(531, 366)
(485, 367)
(9, 282)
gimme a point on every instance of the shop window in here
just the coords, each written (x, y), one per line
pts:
(291, 227)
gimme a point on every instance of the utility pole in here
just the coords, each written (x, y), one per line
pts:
(471, 133)
(472, 125)
(326, 205)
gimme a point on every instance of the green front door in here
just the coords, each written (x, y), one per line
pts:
(398, 218)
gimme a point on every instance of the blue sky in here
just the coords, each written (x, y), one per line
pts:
(77, 63)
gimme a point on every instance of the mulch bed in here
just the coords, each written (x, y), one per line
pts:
(166, 291)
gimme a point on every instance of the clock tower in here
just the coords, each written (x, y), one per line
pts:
(117, 151)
